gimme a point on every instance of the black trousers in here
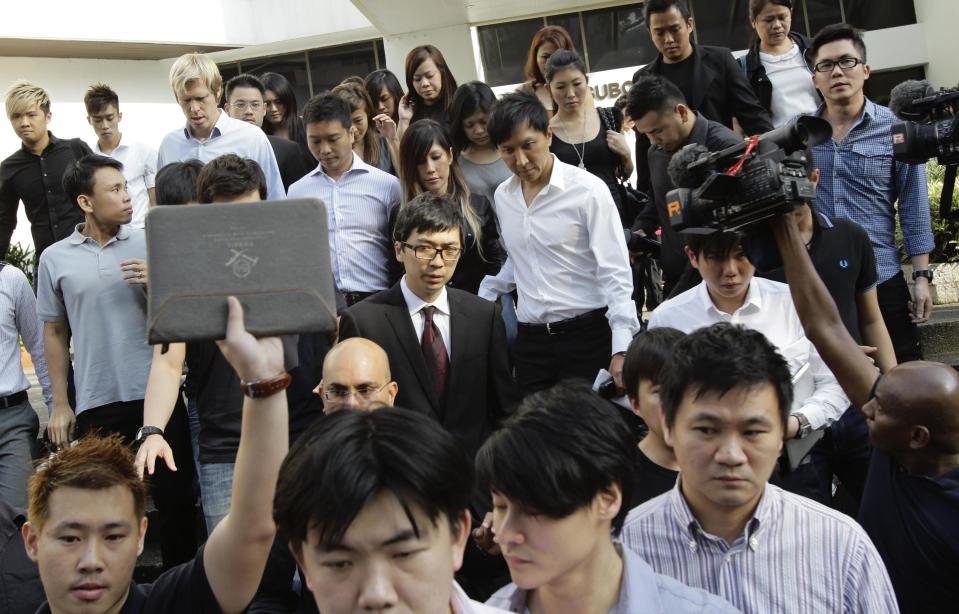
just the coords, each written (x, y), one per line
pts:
(893, 295)
(172, 490)
(542, 360)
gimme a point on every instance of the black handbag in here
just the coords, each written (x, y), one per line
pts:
(632, 201)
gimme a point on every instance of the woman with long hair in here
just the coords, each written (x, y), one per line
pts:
(371, 145)
(478, 159)
(282, 117)
(430, 86)
(546, 42)
(427, 164)
(386, 92)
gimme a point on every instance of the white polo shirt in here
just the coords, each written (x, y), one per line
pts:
(139, 169)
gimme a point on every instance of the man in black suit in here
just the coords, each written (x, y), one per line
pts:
(709, 77)
(244, 101)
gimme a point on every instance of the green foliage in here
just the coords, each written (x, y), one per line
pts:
(945, 232)
(23, 258)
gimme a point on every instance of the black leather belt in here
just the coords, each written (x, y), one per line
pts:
(564, 326)
(14, 399)
(353, 298)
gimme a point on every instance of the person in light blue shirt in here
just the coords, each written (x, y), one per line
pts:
(560, 473)
(209, 131)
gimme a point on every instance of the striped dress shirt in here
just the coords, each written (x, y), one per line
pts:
(18, 308)
(358, 207)
(795, 556)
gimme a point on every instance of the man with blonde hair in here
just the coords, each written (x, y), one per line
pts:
(209, 132)
(32, 173)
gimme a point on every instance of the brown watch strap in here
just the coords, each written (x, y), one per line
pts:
(267, 387)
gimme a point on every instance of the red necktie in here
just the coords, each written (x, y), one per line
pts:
(434, 351)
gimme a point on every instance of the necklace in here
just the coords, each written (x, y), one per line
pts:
(570, 140)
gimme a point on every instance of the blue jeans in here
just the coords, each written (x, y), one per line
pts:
(216, 489)
(19, 426)
(193, 421)
(509, 318)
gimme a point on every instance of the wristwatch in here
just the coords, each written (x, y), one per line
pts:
(923, 273)
(804, 427)
(259, 389)
(146, 431)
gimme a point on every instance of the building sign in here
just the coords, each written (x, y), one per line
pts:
(607, 85)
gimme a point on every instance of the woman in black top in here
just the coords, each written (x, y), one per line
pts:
(385, 91)
(282, 117)
(427, 164)
(581, 135)
(430, 86)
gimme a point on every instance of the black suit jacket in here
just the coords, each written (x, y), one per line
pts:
(481, 391)
(289, 157)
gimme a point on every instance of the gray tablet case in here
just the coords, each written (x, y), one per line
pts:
(272, 255)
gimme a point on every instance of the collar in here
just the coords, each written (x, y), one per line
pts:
(867, 114)
(700, 130)
(765, 512)
(638, 585)
(460, 603)
(53, 141)
(415, 304)
(219, 127)
(96, 147)
(754, 298)
(821, 219)
(658, 63)
(357, 166)
(135, 602)
(78, 238)
(557, 178)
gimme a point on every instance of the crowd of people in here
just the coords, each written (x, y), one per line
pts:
(453, 447)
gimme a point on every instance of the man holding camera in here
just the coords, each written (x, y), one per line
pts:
(862, 182)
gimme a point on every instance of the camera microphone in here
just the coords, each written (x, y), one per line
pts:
(678, 168)
(903, 95)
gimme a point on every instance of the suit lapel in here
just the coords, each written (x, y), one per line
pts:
(703, 77)
(399, 319)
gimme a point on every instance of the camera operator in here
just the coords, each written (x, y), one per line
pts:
(862, 182)
(660, 112)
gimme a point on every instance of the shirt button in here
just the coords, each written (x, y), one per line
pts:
(753, 543)
(727, 558)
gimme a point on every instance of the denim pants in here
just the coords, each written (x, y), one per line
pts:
(216, 489)
(19, 426)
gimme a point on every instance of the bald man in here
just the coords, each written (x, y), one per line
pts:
(356, 374)
(910, 504)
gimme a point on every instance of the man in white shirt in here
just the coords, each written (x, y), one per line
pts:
(139, 160)
(567, 256)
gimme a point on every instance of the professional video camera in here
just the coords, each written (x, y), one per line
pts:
(930, 129)
(745, 184)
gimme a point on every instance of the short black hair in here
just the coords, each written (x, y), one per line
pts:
(98, 97)
(229, 176)
(79, 176)
(563, 446)
(719, 358)
(176, 182)
(836, 32)
(512, 111)
(661, 6)
(652, 93)
(244, 80)
(469, 98)
(347, 458)
(756, 6)
(428, 213)
(717, 245)
(326, 108)
(647, 354)
(563, 59)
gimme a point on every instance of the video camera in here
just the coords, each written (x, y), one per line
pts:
(745, 184)
(930, 129)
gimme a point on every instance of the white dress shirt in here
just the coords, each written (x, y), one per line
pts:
(768, 309)
(567, 254)
(139, 169)
(441, 317)
(358, 207)
(18, 318)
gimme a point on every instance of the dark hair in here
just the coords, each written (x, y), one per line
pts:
(356, 96)
(327, 108)
(514, 110)
(833, 33)
(229, 176)
(646, 356)
(176, 182)
(279, 85)
(98, 97)
(347, 458)
(717, 245)
(354, 80)
(661, 6)
(547, 34)
(719, 358)
(653, 93)
(244, 80)
(621, 103)
(756, 6)
(563, 446)
(469, 98)
(563, 60)
(382, 78)
(428, 213)
(79, 176)
(417, 56)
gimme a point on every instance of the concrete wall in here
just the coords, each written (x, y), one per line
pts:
(938, 18)
(455, 42)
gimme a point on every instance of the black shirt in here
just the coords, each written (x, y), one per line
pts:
(681, 74)
(184, 589)
(436, 112)
(650, 480)
(290, 160)
(842, 255)
(38, 182)
(598, 158)
(20, 588)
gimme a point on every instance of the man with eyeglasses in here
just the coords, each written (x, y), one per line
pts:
(244, 101)
(861, 181)
(356, 374)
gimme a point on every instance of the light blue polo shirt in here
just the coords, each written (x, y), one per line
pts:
(80, 282)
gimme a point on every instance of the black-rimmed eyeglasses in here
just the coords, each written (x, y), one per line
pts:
(428, 252)
(843, 63)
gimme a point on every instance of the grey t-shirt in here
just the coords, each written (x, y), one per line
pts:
(483, 179)
(80, 282)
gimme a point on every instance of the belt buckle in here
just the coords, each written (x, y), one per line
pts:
(549, 330)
